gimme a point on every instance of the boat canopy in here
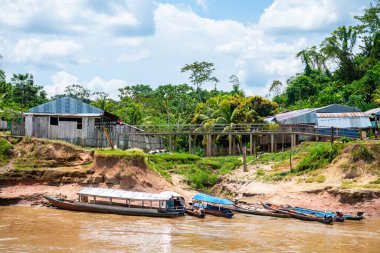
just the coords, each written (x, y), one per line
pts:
(211, 199)
(121, 194)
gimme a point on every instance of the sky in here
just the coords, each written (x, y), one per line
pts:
(106, 45)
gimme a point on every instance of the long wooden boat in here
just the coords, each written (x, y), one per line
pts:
(297, 215)
(213, 205)
(259, 211)
(167, 205)
(326, 215)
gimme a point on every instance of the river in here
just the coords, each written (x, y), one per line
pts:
(27, 229)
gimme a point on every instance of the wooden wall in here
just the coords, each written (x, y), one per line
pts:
(90, 135)
(3, 125)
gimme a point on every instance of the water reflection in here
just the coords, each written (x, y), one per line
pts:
(25, 229)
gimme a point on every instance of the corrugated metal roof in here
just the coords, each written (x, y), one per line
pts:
(375, 111)
(337, 108)
(66, 105)
(308, 115)
(342, 115)
(120, 194)
(292, 114)
(65, 114)
(344, 121)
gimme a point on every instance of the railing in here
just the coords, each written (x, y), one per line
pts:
(243, 129)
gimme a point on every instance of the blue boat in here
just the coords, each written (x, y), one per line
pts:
(326, 215)
(213, 205)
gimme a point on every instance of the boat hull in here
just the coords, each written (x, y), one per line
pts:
(297, 215)
(97, 208)
(196, 213)
(262, 212)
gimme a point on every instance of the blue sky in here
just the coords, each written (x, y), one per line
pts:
(105, 45)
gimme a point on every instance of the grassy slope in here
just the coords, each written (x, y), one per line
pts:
(5, 149)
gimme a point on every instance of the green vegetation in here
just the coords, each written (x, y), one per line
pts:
(200, 173)
(5, 149)
(361, 152)
(354, 79)
(319, 155)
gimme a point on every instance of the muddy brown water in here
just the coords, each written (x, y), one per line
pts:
(27, 229)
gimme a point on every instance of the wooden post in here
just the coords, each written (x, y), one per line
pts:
(170, 143)
(190, 143)
(229, 144)
(282, 148)
(208, 145)
(332, 135)
(255, 137)
(250, 144)
(272, 143)
(233, 145)
(292, 142)
(245, 158)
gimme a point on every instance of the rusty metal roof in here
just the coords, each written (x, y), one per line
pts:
(341, 115)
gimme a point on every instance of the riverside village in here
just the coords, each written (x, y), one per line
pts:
(182, 126)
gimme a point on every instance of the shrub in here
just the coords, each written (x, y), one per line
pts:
(319, 156)
(5, 151)
(361, 152)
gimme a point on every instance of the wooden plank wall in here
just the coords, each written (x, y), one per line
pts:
(3, 125)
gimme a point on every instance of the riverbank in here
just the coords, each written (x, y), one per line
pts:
(340, 177)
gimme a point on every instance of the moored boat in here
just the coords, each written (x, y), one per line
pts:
(195, 211)
(213, 205)
(296, 214)
(113, 201)
(255, 210)
(326, 215)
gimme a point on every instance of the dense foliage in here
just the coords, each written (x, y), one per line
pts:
(344, 68)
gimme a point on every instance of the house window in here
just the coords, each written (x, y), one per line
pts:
(54, 121)
(77, 120)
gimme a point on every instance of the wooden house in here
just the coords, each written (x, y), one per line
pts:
(73, 121)
(67, 119)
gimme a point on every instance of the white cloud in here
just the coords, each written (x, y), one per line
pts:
(62, 79)
(78, 16)
(298, 15)
(109, 86)
(124, 40)
(202, 4)
(134, 56)
(35, 50)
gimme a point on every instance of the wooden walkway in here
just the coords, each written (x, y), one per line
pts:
(273, 133)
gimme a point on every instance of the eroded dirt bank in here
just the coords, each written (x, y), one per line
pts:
(40, 167)
(36, 167)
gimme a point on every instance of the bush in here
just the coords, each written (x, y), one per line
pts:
(5, 151)
(361, 152)
(319, 156)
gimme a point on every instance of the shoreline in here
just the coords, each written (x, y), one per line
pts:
(32, 195)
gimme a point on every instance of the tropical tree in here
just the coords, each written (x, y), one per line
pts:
(339, 48)
(77, 91)
(201, 72)
(25, 92)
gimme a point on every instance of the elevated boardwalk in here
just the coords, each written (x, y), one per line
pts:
(273, 133)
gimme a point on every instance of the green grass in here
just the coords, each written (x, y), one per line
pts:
(361, 152)
(5, 151)
(200, 173)
(319, 155)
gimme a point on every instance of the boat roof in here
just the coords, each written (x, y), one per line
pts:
(212, 199)
(121, 194)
